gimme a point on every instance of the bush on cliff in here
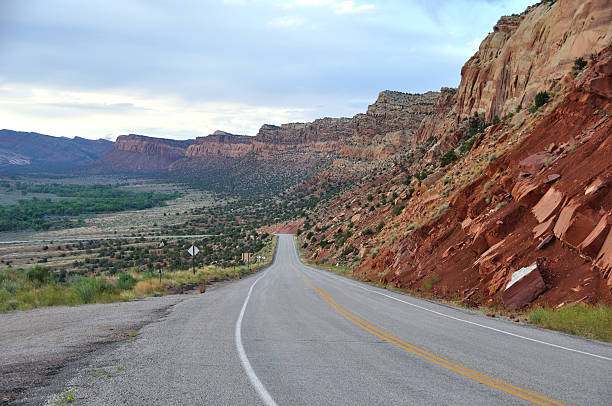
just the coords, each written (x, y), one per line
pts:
(447, 158)
(579, 64)
(541, 99)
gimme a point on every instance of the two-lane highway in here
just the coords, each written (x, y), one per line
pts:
(296, 335)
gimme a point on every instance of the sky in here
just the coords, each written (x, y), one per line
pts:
(185, 68)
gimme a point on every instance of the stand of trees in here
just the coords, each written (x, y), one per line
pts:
(37, 213)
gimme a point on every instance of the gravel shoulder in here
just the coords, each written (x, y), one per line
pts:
(39, 345)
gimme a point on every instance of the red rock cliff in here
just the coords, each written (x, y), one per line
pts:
(531, 52)
(137, 152)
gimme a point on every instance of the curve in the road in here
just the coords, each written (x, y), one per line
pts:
(478, 324)
(487, 380)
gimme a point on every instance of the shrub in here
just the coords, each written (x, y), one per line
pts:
(397, 210)
(90, 290)
(467, 145)
(500, 205)
(447, 158)
(367, 231)
(430, 281)
(347, 251)
(442, 208)
(126, 281)
(541, 99)
(380, 226)
(40, 275)
(10, 286)
(579, 64)
(549, 161)
(56, 295)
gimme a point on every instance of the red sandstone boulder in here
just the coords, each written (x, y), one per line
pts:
(533, 163)
(543, 228)
(574, 224)
(597, 184)
(527, 193)
(548, 204)
(480, 244)
(604, 258)
(524, 286)
(594, 241)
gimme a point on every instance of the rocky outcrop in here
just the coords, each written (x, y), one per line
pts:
(531, 52)
(221, 143)
(394, 111)
(436, 124)
(322, 130)
(387, 128)
(140, 153)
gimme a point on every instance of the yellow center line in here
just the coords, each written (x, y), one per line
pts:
(495, 383)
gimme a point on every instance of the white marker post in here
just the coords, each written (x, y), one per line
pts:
(193, 251)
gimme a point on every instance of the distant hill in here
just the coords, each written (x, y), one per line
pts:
(39, 151)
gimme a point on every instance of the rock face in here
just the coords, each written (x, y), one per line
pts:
(531, 52)
(524, 286)
(140, 153)
(440, 119)
(395, 111)
(221, 143)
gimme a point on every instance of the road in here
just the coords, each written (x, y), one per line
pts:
(294, 335)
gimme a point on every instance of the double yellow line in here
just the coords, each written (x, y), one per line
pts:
(487, 380)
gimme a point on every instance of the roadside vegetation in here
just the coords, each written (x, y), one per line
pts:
(40, 286)
(587, 321)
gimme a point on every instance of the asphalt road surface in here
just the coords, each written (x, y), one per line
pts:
(294, 335)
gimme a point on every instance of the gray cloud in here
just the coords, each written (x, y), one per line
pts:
(238, 52)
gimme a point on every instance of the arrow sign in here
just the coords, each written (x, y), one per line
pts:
(193, 250)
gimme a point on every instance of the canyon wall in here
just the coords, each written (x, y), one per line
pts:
(140, 153)
(388, 126)
(531, 190)
(531, 52)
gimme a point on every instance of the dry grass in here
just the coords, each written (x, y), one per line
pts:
(151, 286)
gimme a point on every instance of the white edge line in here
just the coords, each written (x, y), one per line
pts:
(463, 320)
(244, 360)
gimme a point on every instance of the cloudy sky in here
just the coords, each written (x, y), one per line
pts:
(185, 68)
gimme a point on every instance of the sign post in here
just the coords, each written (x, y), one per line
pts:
(193, 251)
